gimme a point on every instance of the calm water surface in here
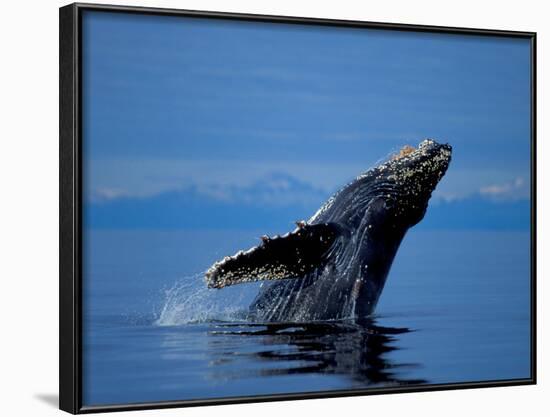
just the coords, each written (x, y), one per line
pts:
(455, 309)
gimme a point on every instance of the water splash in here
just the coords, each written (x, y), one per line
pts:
(190, 301)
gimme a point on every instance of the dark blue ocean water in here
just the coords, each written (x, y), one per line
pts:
(455, 309)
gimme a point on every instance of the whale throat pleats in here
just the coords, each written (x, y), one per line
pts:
(281, 257)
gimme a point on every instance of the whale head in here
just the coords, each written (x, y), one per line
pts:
(404, 183)
(416, 173)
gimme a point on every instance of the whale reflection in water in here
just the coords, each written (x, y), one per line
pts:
(356, 350)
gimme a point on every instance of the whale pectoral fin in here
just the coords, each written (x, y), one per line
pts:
(290, 256)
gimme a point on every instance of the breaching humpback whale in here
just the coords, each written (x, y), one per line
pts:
(334, 266)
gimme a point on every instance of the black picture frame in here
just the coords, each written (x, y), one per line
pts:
(70, 206)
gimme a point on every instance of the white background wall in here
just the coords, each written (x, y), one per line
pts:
(29, 204)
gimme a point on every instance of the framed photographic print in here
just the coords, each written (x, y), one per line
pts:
(256, 208)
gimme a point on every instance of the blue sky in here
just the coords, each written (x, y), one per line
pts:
(276, 117)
